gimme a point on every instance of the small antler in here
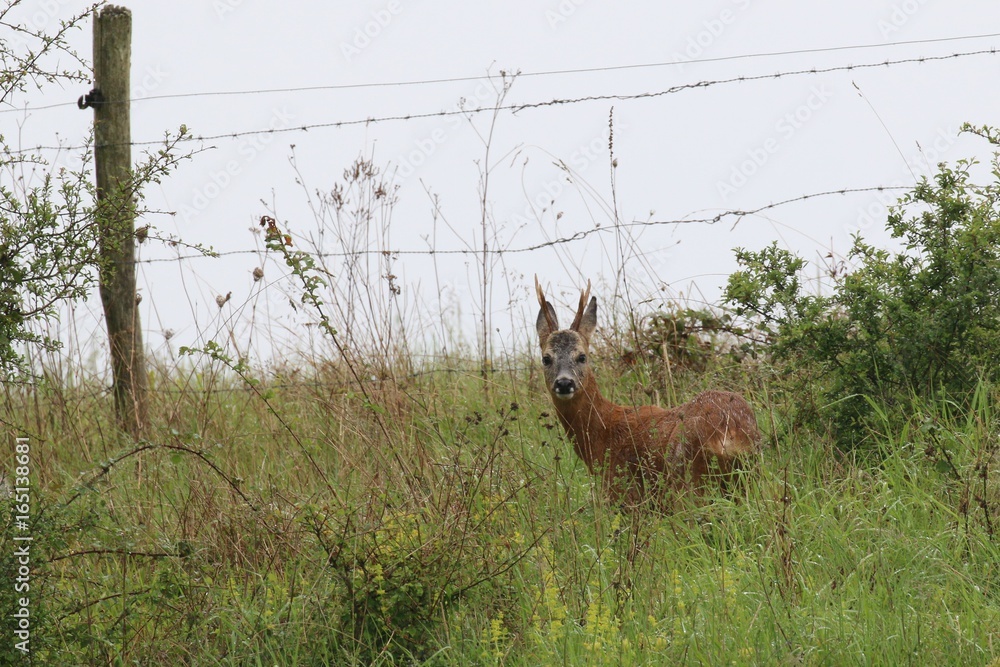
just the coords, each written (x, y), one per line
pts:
(584, 298)
(546, 308)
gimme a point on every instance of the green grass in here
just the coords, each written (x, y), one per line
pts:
(439, 520)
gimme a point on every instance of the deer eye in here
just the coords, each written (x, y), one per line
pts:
(582, 359)
(546, 360)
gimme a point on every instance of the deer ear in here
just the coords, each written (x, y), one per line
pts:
(546, 324)
(589, 320)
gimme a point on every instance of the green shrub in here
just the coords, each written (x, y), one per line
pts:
(920, 322)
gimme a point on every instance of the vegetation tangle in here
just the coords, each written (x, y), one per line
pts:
(368, 510)
(363, 506)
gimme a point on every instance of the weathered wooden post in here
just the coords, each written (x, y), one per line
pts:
(116, 205)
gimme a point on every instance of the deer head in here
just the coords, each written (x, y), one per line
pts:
(564, 351)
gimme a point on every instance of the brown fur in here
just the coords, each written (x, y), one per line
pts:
(637, 448)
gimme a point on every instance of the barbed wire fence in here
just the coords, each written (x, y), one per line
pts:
(225, 325)
(516, 107)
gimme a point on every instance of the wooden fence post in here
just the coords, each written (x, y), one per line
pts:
(116, 205)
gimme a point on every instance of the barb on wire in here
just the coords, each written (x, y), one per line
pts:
(746, 79)
(543, 73)
(515, 108)
(738, 214)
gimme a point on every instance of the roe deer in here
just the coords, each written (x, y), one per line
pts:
(637, 448)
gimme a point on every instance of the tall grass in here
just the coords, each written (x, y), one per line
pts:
(424, 520)
(366, 506)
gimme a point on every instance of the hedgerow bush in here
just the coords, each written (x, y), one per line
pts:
(919, 322)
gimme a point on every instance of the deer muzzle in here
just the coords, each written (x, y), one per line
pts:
(564, 387)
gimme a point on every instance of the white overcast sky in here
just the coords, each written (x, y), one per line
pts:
(691, 154)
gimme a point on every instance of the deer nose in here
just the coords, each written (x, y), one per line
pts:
(564, 387)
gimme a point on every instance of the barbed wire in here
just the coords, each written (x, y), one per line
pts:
(516, 108)
(518, 74)
(748, 79)
(715, 219)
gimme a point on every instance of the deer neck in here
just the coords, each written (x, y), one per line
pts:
(586, 418)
